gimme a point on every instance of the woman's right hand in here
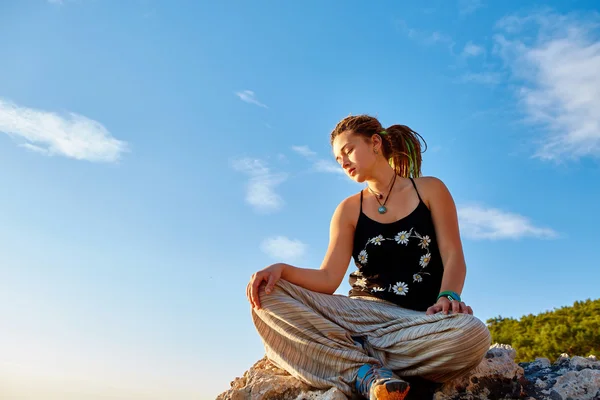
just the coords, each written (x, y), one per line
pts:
(271, 275)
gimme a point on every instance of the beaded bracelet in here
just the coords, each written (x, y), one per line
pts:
(450, 295)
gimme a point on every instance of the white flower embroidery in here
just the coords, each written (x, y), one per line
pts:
(425, 260)
(402, 237)
(400, 288)
(417, 278)
(378, 289)
(362, 257)
(425, 242)
(377, 240)
(362, 282)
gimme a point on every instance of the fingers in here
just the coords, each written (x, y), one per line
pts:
(254, 289)
(446, 306)
(456, 307)
(248, 293)
(270, 284)
(436, 308)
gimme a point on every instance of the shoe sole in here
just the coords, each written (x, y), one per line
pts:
(395, 390)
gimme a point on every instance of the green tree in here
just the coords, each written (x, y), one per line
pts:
(574, 330)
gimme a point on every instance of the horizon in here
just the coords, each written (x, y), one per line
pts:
(155, 156)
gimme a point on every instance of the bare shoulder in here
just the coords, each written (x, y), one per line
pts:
(348, 209)
(431, 189)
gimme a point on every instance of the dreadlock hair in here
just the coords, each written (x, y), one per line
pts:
(401, 145)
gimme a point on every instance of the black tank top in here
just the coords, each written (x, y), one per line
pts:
(398, 261)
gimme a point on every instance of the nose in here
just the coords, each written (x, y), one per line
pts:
(345, 162)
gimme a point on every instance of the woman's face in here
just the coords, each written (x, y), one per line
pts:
(355, 154)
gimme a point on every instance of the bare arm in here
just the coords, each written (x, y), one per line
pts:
(328, 277)
(445, 221)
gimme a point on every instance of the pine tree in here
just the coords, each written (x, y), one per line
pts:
(573, 330)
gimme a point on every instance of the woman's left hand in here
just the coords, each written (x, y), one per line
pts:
(444, 305)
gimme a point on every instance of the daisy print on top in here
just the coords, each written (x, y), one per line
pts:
(399, 261)
(402, 238)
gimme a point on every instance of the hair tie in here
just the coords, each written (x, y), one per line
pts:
(383, 132)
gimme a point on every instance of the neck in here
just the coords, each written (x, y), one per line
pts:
(381, 178)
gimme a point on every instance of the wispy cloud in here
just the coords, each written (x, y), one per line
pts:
(304, 151)
(472, 50)
(260, 189)
(328, 166)
(319, 165)
(249, 97)
(59, 2)
(425, 37)
(283, 249)
(466, 7)
(72, 135)
(438, 37)
(559, 83)
(478, 223)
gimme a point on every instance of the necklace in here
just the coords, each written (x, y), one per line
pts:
(382, 208)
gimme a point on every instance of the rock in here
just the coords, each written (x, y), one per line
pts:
(542, 363)
(497, 377)
(575, 378)
(563, 359)
(331, 394)
(580, 385)
(266, 381)
(579, 363)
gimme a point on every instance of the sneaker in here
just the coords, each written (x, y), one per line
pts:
(375, 382)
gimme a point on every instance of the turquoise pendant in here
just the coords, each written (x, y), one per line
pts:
(382, 210)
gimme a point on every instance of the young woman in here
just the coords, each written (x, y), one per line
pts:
(404, 315)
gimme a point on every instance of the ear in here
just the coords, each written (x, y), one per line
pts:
(376, 142)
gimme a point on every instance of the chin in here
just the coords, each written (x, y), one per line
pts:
(358, 178)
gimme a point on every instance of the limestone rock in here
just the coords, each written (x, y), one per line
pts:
(575, 378)
(266, 381)
(497, 377)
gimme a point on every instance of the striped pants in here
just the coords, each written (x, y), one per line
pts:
(317, 337)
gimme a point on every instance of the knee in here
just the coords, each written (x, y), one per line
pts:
(276, 295)
(473, 337)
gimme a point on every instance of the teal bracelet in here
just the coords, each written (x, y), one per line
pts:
(450, 295)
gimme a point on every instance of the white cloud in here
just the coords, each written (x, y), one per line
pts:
(249, 97)
(472, 50)
(283, 249)
(328, 166)
(319, 165)
(304, 151)
(469, 6)
(73, 135)
(478, 223)
(260, 190)
(559, 83)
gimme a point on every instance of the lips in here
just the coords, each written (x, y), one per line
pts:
(351, 171)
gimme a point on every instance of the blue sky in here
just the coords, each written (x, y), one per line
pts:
(155, 155)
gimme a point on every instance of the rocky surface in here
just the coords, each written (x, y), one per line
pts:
(497, 377)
